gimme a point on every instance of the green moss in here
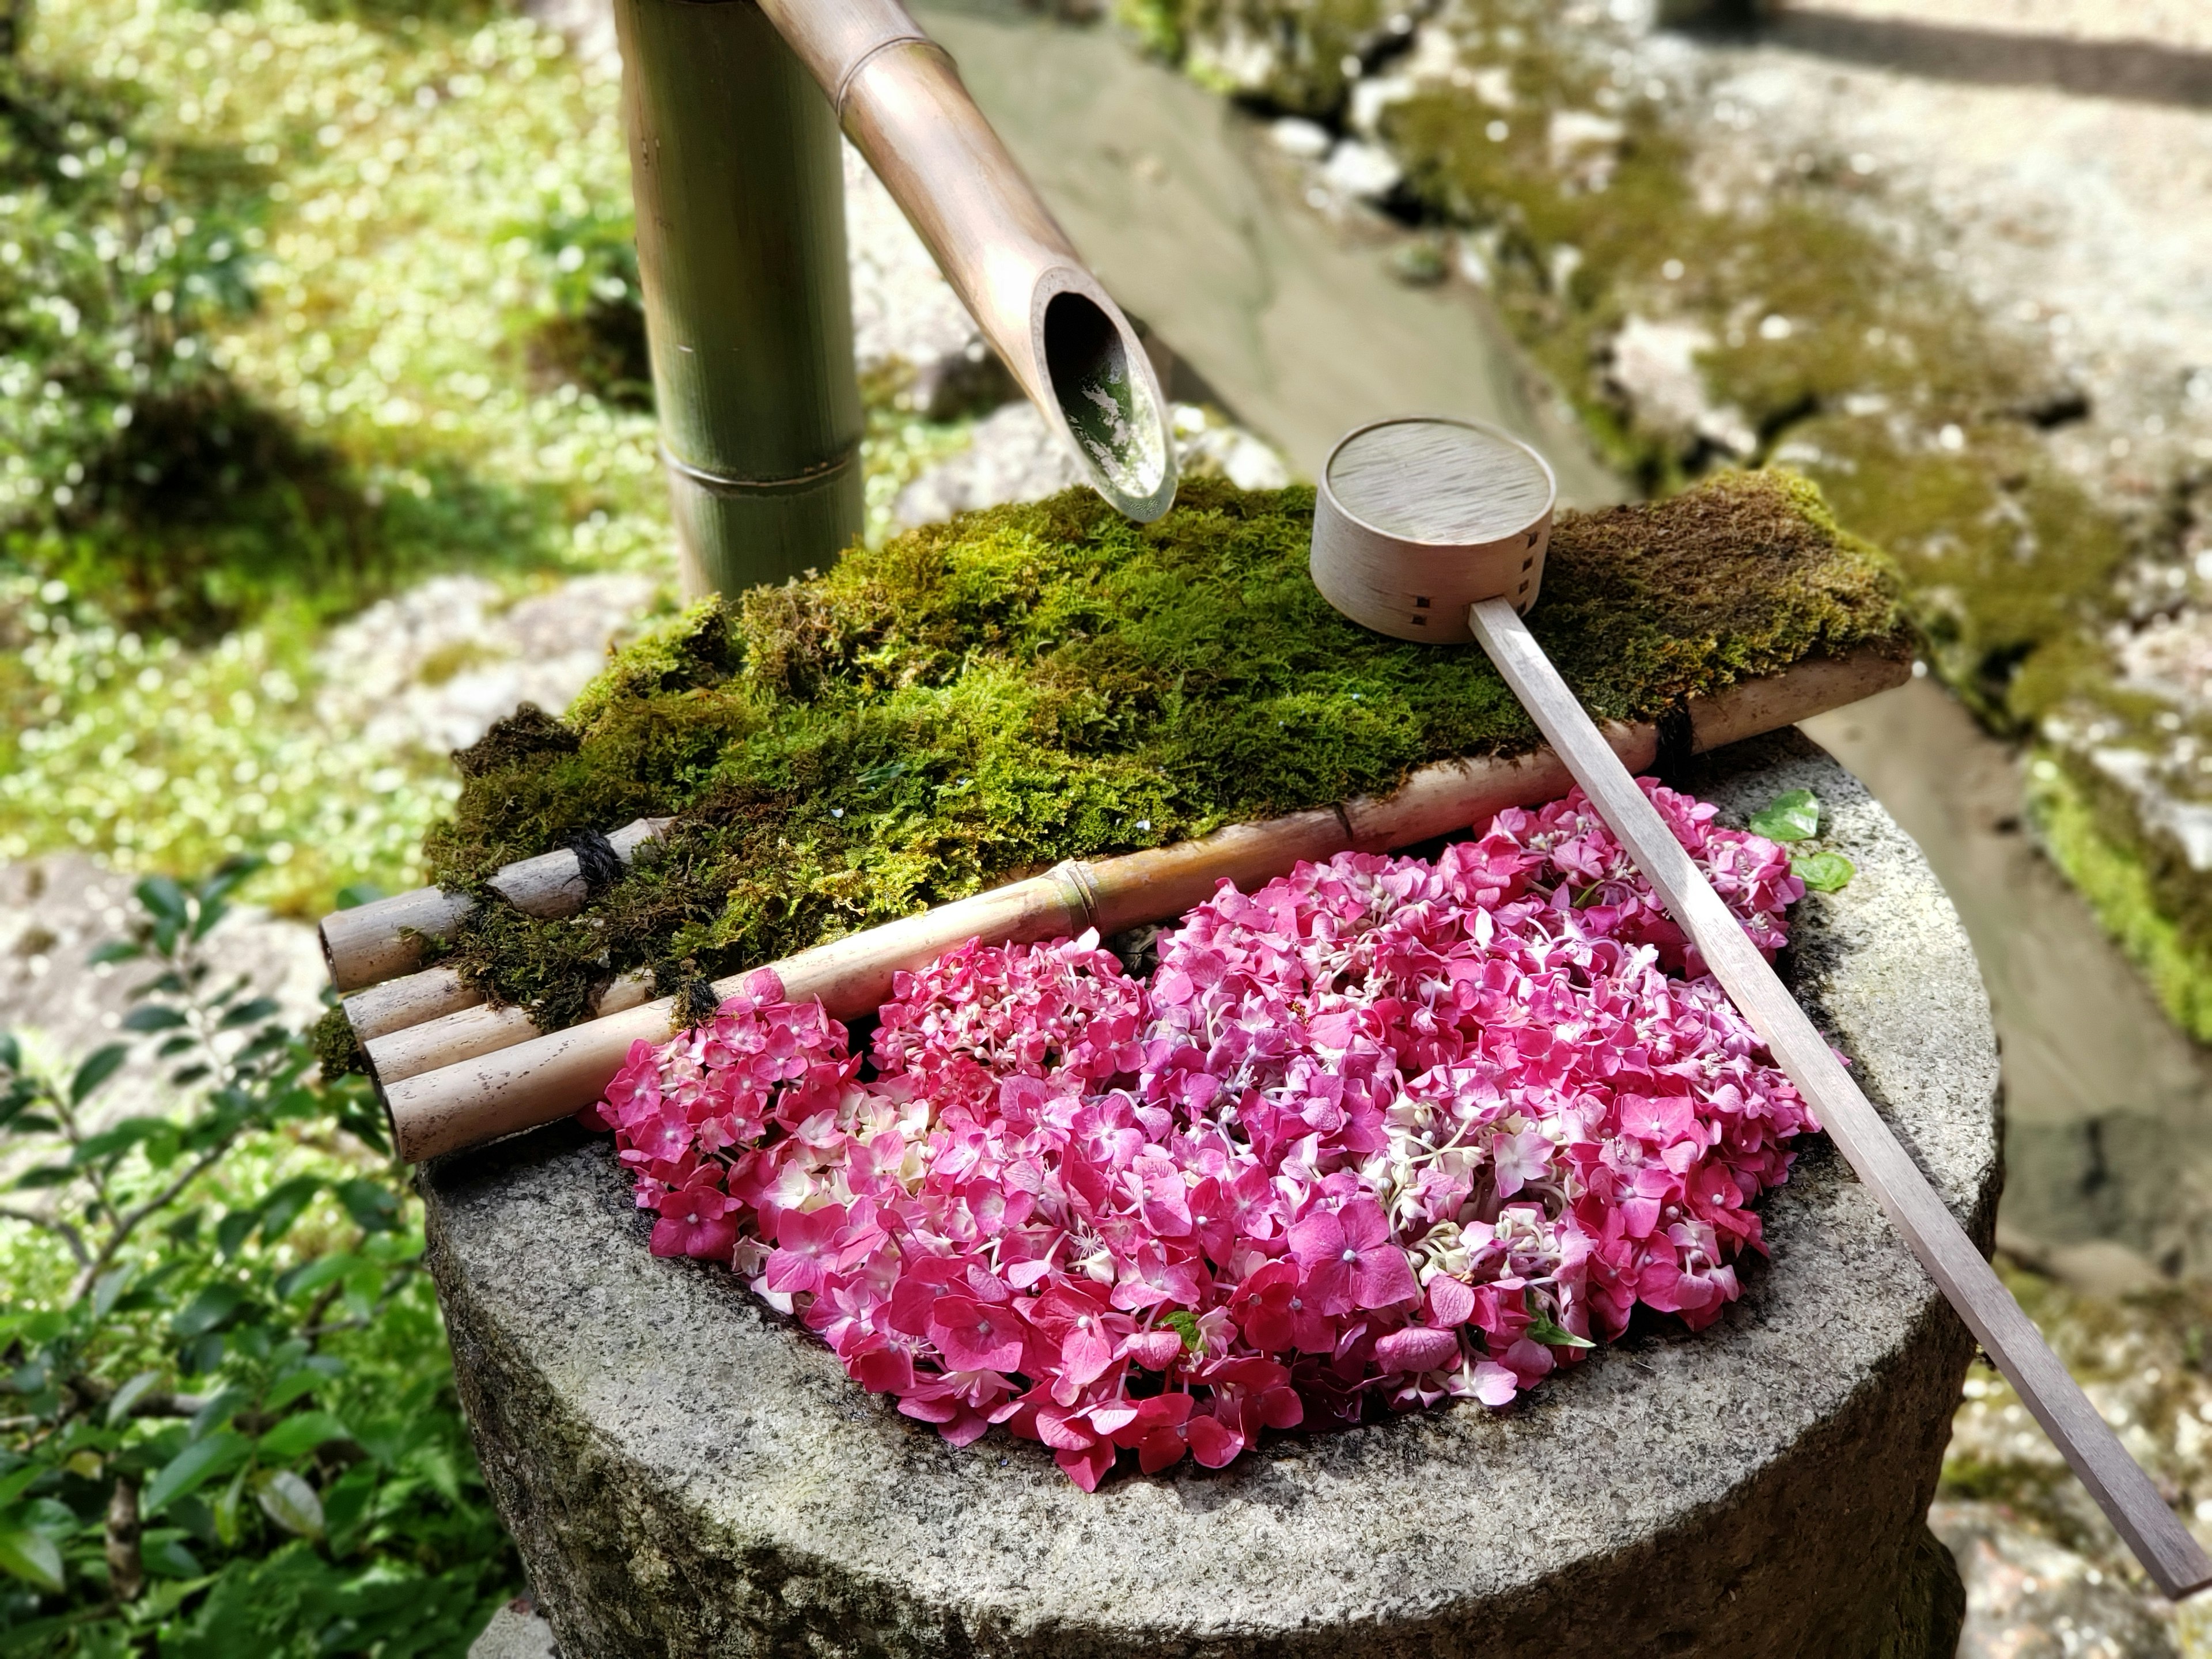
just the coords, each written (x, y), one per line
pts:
(334, 1046)
(978, 700)
(2139, 887)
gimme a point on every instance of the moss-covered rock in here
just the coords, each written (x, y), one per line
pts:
(980, 699)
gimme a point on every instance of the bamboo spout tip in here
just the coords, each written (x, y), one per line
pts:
(1100, 385)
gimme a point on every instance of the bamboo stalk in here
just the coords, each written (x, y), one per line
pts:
(487, 1094)
(472, 1029)
(739, 182)
(377, 941)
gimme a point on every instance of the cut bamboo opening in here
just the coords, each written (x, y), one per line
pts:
(458, 1094)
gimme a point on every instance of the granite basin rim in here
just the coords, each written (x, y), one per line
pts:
(711, 1409)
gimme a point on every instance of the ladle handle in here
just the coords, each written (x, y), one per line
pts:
(2118, 1483)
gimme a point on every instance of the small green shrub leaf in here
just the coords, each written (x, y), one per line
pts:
(299, 1435)
(119, 1404)
(1793, 816)
(198, 1463)
(212, 1309)
(291, 1503)
(1824, 872)
(100, 1065)
(32, 1557)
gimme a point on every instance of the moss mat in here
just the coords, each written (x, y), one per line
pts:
(980, 699)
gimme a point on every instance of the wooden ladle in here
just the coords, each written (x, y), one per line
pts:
(1435, 530)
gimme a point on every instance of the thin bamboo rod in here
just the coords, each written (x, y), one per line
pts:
(374, 942)
(477, 1095)
(2160, 1541)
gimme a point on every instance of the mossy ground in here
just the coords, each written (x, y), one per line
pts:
(1831, 343)
(980, 699)
(2143, 891)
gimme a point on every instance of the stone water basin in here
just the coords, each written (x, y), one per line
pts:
(689, 1474)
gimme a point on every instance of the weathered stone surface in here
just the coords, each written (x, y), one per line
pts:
(688, 1474)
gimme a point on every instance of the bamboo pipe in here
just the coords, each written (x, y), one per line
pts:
(373, 942)
(898, 97)
(468, 1098)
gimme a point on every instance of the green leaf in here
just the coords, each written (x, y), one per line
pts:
(100, 1065)
(358, 894)
(234, 1229)
(1824, 872)
(119, 1404)
(32, 1557)
(198, 1463)
(247, 1013)
(152, 1017)
(1184, 1323)
(313, 1275)
(162, 898)
(292, 1385)
(46, 1175)
(168, 1557)
(116, 950)
(213, 1308)
(300, 1434)
(211, 912)
(11, 1052)
(1541, 1330)
(374, 1206)
(218, 1411)
(118, 1138)
(363, 1285)
(291, 1503)
(282, 1207)
(229, 874)
(1793, 816)
(109, 1285)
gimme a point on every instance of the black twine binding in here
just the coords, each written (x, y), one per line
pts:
(597, 861)
(1675, 739)
(691, 991)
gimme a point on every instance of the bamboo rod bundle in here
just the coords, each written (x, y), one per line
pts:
(469, 1073)
(371, 943)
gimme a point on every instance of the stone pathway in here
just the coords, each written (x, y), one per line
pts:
(432, 667)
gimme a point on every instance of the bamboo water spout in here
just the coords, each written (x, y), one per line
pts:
(898, 97)
(732, 110)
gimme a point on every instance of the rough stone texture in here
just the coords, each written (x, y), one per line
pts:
(686, 1473)
(516, 1631)
(1013, 456)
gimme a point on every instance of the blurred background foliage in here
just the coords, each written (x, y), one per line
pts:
(227, 1424)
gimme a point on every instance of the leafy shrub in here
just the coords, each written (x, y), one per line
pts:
(229, 1419)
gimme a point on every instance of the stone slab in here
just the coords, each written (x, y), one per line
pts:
(688, 1474)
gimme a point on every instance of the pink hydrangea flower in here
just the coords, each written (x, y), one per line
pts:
(1382, 1133)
